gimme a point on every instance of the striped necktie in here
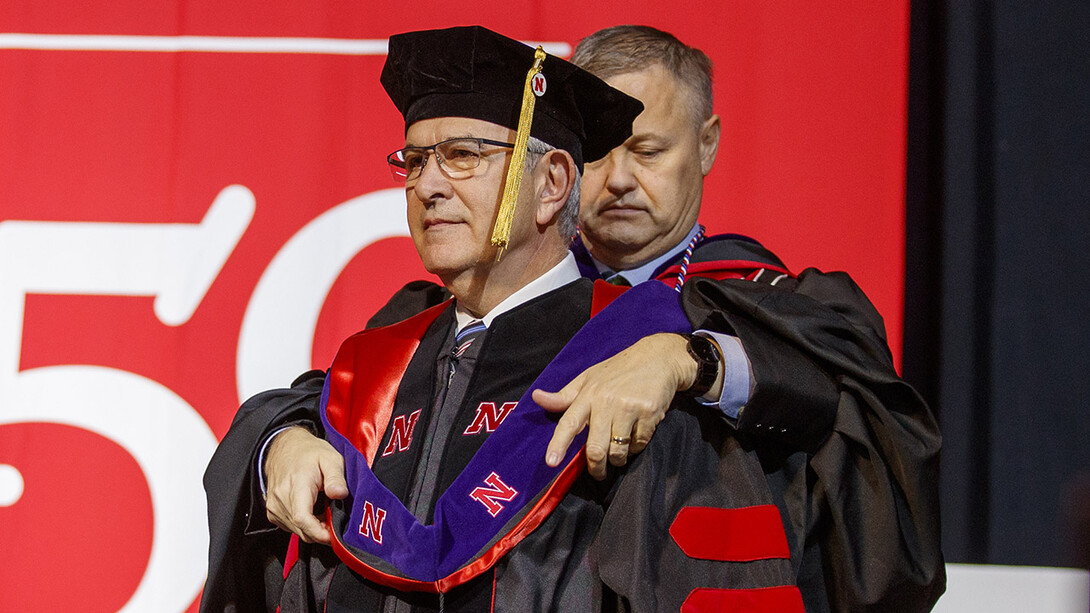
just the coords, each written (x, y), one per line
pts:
(465, 337)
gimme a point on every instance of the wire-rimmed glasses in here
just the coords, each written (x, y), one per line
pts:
(458, 157)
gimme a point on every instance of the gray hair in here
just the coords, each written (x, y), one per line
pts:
(569, 215)
(624, 49)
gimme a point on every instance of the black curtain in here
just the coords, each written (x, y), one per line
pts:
(997, 275)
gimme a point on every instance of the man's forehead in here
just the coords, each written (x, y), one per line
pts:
(664, 97)
(436, 129)
(649, 83)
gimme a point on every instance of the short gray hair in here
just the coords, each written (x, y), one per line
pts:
(569, 215)
(625, 49)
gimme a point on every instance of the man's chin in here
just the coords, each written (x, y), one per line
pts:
(619, 236)
(440, 261)
(442, 269)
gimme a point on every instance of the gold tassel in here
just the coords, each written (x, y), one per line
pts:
(501, 232)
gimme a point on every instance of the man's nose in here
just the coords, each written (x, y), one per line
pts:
(619, 177)
(432, 182)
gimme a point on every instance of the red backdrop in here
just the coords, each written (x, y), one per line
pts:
(194, 207)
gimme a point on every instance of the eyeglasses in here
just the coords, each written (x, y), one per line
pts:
(458, 157)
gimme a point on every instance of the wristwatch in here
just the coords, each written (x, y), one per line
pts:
(706, 353)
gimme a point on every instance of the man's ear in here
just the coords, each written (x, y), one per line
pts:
(709, 143)
(554, 179)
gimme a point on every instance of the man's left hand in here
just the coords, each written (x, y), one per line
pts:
(622, 399)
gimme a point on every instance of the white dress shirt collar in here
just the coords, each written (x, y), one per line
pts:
(556, 277)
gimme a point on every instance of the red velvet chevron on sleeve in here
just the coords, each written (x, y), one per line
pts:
(731, 535)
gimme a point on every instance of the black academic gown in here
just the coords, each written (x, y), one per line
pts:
(844, 449)
(831, 437)
(247, 556)
(449, 426)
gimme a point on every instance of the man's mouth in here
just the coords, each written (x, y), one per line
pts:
(439, 223)
(621, 208)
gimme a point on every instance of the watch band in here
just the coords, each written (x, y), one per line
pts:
(706, 353)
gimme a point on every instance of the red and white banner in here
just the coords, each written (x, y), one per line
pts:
(194, 206)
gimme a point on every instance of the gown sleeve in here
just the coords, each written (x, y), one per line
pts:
(826, 385)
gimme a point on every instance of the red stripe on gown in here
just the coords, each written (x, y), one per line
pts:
(731, 535)
(781, 599)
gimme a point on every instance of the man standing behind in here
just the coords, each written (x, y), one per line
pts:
(788, 387)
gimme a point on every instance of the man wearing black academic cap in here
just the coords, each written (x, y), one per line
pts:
(491, 164)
